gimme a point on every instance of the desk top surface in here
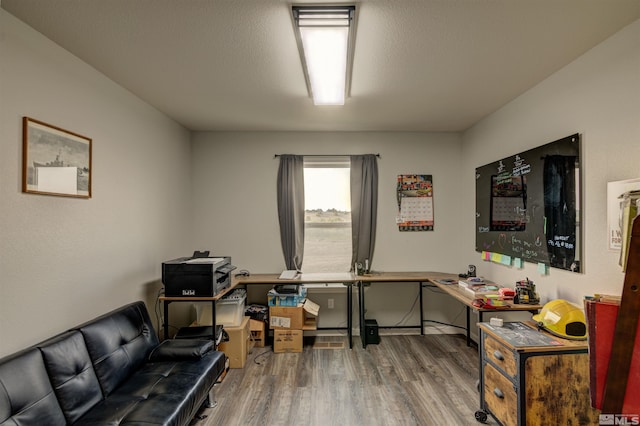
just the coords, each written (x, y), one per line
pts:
(434, 278)
(348, 278)
(342, 277)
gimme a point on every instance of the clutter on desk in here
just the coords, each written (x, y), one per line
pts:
(478, 287)
(276, 296)
(490, 302)
(471, 272)
(526, 293)
(507, 293)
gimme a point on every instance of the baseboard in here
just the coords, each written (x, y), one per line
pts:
(441, 329)
(428, 329)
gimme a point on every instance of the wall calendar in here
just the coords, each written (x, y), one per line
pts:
(415, 203)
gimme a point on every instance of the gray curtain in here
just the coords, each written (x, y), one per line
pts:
(291, 209)
(364, 207)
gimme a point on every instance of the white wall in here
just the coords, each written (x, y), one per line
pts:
(598, 96)
(235, 211)
(65, 260)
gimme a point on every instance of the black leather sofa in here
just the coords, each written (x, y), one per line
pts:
(109, 371)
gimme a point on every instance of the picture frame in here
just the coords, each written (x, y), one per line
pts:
(55, 161)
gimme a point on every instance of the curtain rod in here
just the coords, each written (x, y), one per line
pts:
(322, 155)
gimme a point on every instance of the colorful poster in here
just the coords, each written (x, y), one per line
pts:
(415, 203)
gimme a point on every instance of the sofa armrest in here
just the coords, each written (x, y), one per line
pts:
(181, 349)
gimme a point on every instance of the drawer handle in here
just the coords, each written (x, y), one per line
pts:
(497, 392)
(498, 355)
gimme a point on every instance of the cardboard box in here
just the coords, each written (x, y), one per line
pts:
(310, 324)
(287, 341)
(258, 334)
(238, 346)
(284, 317)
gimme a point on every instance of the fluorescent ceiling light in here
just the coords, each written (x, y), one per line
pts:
(325, 39)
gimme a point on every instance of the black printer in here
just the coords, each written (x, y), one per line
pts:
(196, 276)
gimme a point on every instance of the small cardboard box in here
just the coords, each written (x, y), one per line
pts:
(258, 334)
(287, 341)
(284, 317)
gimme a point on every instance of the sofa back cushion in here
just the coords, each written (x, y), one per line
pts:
(71, 374)
(26, 395)
(118, 343)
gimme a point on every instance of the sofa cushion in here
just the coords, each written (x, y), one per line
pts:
(71, 374)
(181, 349)
(26, 395)
(119, 343)
(160, 393)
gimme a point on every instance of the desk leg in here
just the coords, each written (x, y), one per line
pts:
(363, 336)
(350, 314)
(213, 322)
(468, 326)
(421, 310)
(166, 319)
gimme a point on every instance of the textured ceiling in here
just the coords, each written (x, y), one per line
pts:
(420, 65)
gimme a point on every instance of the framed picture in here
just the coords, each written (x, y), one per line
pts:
(55, 161)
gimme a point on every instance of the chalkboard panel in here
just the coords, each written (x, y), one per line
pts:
(528, 205)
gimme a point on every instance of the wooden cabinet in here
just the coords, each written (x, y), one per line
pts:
(533, 384)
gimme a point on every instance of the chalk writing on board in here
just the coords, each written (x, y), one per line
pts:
(527, 205)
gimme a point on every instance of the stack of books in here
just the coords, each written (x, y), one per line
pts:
(478, 288)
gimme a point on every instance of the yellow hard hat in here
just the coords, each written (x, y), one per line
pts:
(563, 319)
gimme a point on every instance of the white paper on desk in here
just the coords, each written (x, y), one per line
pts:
(280, 322)
(205, 260)
(288, 275)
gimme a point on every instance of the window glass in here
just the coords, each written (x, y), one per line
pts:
(327, 241)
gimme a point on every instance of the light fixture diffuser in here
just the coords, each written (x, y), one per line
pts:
(325, 40)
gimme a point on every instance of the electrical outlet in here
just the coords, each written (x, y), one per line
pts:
(330, 303)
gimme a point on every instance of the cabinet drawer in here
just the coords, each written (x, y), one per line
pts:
(500, 355)
(500, 396)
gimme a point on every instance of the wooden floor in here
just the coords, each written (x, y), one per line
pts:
(404, 380)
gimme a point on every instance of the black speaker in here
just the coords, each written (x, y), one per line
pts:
(371, 332)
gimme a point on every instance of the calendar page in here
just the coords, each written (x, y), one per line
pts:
(415, 203)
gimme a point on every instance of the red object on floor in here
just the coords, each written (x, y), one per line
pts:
(602, 318)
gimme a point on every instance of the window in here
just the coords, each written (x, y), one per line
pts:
(327, 241)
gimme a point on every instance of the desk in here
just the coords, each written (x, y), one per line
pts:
(167, 301)
(459, 294)
(348, 279)
(433, 279)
